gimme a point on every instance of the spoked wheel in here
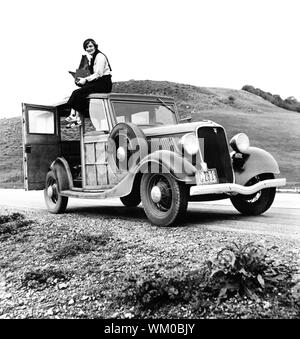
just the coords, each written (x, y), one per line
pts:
(164, 198)
(258, 202)
(54, 201)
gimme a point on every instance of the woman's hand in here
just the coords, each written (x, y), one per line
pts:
(81, 81)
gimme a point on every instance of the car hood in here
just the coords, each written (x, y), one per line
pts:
(178, 129)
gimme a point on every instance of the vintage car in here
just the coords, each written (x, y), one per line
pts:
(136, 148)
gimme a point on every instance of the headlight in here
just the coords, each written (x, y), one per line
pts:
(190, 143)
(240, 143)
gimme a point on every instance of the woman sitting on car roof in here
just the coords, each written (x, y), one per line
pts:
(99, 81)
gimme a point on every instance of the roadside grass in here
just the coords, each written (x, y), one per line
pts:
(11, 169)
(95, 266)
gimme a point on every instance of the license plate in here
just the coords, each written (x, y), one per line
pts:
(208, 177)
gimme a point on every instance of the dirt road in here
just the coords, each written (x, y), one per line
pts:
(282, 220)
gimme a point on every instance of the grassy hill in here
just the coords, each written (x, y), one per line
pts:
(11, 167)
(268, 126)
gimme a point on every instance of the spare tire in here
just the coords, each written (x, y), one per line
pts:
(127, 146)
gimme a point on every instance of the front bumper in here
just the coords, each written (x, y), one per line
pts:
(232, 189)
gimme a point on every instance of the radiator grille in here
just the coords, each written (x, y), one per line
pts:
(156, 144)
(216, 154)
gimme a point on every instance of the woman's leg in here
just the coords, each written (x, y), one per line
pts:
(101, 85)
(77, 98)
(76, 102)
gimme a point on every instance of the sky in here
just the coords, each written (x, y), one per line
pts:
(207, 43)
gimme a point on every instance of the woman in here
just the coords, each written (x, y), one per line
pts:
(98, 82)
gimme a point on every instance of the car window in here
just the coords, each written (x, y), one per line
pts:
(41, 122)
(144, 114)
(140, 118)
(96, 120)
(162, 115)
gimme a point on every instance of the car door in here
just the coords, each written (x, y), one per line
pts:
(41, 143)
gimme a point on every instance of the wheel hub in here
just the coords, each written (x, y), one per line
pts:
(121, 154)
(156, 194)
(51, 191)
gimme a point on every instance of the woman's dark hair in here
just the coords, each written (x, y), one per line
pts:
(87, 41)
(85, 44)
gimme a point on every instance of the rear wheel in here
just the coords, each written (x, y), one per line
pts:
(258, 202)
(54, 201)
(164, 198)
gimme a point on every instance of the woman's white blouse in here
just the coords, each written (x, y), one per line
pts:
(100, 68)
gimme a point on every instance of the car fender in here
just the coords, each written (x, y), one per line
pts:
(258, 161)
(61, 170)
(164, 161)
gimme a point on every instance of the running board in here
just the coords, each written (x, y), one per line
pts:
(84, 194)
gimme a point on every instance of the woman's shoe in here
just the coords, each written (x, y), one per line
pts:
(74, 124)
(78, 120)
(72, 117)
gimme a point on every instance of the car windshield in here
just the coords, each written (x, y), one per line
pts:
(145, 114)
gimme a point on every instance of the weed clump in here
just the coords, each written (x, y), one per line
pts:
(12, 224)
(151, 290)
(44, 278)
(238, 270)
(82, 243)
(11, 217)
(247, 270)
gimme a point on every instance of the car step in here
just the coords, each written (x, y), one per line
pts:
(84, 194)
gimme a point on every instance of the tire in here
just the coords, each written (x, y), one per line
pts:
(55, 202)
(257, 203)
(173, 201)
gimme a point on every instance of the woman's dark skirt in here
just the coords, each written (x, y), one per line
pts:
(101, 85)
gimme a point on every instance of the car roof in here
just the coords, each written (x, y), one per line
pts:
(121, 97)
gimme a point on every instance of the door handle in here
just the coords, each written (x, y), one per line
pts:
(28, 149)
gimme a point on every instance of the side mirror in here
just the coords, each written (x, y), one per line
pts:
(186, 119)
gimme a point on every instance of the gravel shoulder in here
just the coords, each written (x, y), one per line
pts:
(76, 265)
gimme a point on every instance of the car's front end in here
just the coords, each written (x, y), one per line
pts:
(198, 154)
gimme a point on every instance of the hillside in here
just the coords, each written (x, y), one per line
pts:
(289, 103)
(11, 171)
(268, 126)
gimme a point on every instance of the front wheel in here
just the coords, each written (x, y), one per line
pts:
(54, 201)
(258, 202)
(164, 198)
